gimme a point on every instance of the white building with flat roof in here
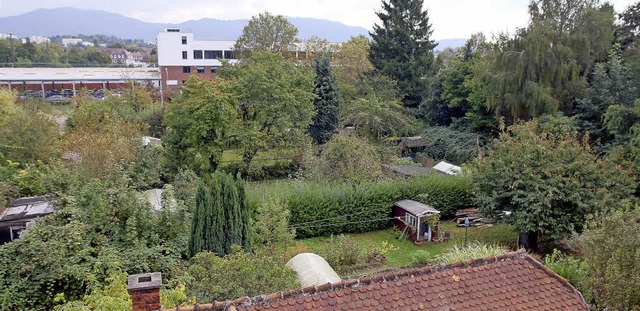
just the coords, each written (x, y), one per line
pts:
(180, 55)
(66, 42)
(36, 40)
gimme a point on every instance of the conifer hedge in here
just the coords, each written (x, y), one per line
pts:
(325, 209)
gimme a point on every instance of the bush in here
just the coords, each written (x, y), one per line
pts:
(611, 248)
(345, 158)
(573, 269)
(325, 209)
(421, 257)
(342, 251)
(236, 275)
(472, 251)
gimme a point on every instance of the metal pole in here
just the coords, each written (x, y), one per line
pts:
(466, 230)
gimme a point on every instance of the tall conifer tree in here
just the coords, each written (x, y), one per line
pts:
(402, 47)
(327, 102)
(221, 217)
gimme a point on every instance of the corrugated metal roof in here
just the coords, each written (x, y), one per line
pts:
(26, 208)
(79, 74)
(415, 141)
(407, 170)
(416, 208)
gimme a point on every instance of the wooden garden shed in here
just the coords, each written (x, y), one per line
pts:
(418, 221)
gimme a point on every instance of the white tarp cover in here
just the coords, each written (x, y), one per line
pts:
(312, 270)
(448, 168)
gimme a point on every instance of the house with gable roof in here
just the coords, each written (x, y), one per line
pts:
(511, 281)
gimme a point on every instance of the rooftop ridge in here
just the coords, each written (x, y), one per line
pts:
(230, 305)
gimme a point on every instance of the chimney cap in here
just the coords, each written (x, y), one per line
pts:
(145, 281)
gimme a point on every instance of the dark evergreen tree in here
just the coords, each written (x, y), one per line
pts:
(402, 48)
(327, 102)
(220, 218)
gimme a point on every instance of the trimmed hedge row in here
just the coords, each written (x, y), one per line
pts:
(325, 209)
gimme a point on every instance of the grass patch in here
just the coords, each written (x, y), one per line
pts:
(501, 234)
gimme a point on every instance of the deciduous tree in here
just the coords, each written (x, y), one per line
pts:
(352, 62)
(548, 179)
(271, 225)
(543, 68)
(266, 32)
(199, 124)
(275, 103)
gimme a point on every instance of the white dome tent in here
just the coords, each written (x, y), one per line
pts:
(312, 270)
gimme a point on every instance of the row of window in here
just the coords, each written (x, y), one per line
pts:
(199, 69)
(209, 54)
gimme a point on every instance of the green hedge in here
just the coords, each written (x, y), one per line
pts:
(325, 209)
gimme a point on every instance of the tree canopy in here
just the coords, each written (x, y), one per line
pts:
(275, 102)
(199, 124)
(548, 179)
(543, 68)
(266, 32)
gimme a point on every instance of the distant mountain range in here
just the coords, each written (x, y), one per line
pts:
(71, 21)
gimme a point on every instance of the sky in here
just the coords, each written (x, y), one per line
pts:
(450, 18)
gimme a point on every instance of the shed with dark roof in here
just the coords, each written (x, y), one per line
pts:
(412, 145)
(511, 281)
(20, 214)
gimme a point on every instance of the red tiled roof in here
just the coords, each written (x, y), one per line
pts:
(512, 281)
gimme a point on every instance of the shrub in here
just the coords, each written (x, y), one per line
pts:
(346, 158)
(474, 250)
(421, 257)
(573, 269)
(405, 162)
(611, 247)
(236, 275)
(342, 251)
(451, 145)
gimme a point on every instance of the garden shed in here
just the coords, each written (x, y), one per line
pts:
(23, 212)
(412, 145)
(418, 221)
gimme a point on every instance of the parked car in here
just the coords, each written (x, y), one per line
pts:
(58, 99)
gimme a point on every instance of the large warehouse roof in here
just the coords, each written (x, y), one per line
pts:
(78, 74)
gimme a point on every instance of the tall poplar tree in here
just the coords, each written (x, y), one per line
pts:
(221, 216)
(402, 48)
(327, 102)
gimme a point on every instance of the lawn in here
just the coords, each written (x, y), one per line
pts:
(502, 234)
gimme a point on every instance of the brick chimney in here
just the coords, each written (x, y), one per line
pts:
(145, 291)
